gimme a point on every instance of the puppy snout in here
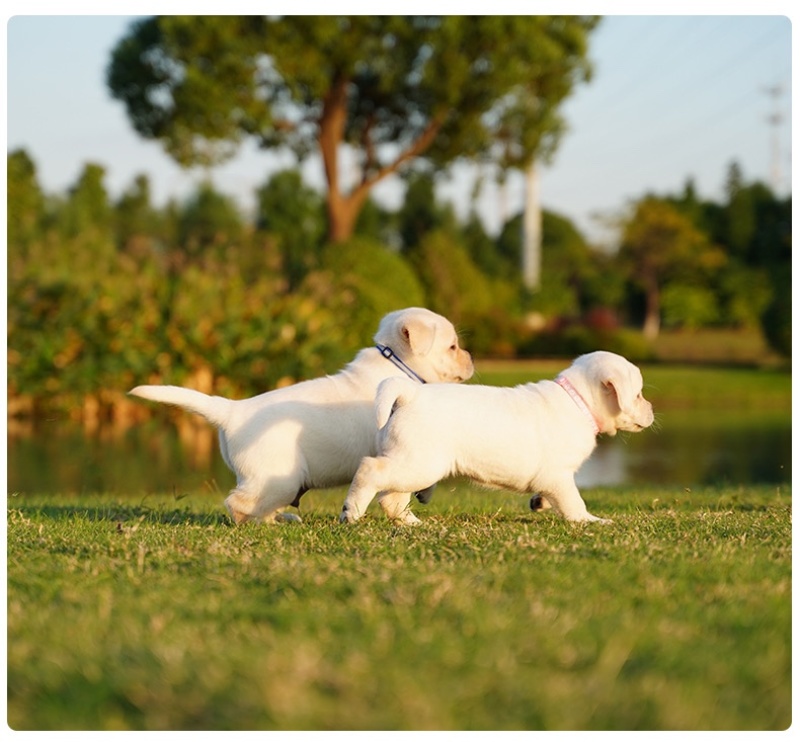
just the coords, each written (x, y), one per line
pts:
(647, 418)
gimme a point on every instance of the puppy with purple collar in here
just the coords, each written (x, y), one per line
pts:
(530, 438)
(313, 434)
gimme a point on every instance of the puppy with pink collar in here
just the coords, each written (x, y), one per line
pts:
(530, 438)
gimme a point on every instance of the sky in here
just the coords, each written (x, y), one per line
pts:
(673, 98)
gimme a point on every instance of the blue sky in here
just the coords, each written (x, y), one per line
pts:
(672, 98)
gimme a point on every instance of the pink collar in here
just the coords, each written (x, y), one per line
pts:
(565, 384)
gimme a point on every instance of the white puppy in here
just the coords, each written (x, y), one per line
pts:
(314, 434)
(529, 438)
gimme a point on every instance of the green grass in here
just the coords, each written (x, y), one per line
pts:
(157, 614)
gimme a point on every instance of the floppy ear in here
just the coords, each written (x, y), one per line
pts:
(419, 335)
(622, 384)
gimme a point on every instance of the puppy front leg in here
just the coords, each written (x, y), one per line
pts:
(567, 502)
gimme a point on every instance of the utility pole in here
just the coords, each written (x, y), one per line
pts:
(775, 119)
(532, 232)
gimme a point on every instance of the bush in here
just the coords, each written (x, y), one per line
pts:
(579, 339)
(684, 305)
(776, 321)
(73, 334)
(358, 282)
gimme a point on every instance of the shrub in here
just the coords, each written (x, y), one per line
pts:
(358, 282)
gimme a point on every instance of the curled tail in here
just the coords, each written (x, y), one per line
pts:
(392, 393)
(213, 409)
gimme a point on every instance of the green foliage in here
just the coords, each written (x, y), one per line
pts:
(684, 305)
(660, 245)
(420, 212)
(394, 88)
(208, 220)
(137, 224)
(25, 200)
(157, 614)
(294, 216)
(378, 224)
(577, 339)
(361, 280)
(777, 318)
(743, 294)
(453, 282)
(401, 70)
(102, 296)
(87, 208)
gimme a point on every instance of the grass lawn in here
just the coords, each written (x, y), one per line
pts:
(157, 614)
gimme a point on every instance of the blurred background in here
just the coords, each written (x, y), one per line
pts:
(232, 203)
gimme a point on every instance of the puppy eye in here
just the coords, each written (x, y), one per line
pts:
(453, 346)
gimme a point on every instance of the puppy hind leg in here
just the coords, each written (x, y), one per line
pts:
(393, 479)
(425, 496)
(396, 507)
(241, 505)
(264, 506)
(539, 502)
(374, 474)
(361, 492)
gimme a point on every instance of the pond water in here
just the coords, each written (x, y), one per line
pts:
(690, 448)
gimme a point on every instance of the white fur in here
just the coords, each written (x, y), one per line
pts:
(529, 438)
(314, 434)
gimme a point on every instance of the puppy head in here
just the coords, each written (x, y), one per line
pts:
(427, 342)
(612, 387)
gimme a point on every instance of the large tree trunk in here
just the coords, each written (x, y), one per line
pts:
(331, 132)
(343, 209)
(342, 215)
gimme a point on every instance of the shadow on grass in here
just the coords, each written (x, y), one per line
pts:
(119, 513)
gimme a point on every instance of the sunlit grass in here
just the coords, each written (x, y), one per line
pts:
(155, 613)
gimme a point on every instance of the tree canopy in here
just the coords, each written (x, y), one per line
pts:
(392, 88)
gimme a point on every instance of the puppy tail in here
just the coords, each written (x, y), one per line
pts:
(213, 409)
(393, 393)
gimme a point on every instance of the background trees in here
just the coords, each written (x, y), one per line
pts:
(391, 88)
(103, 295)
(661, 249)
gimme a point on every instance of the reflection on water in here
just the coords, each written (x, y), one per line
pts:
(689, 449)
(697, 448)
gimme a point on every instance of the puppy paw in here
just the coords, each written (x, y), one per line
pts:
(589, 518)
(348, 515)
(407, 518)
(537, 502)
(424, 496)
(288, 518)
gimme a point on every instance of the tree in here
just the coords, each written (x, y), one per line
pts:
(660, 244)
(293, 215)
(209, 220)
(137, 222)
(421, 213)
(740, 213)
(88, 209)
(26, 202)
(392, 88)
